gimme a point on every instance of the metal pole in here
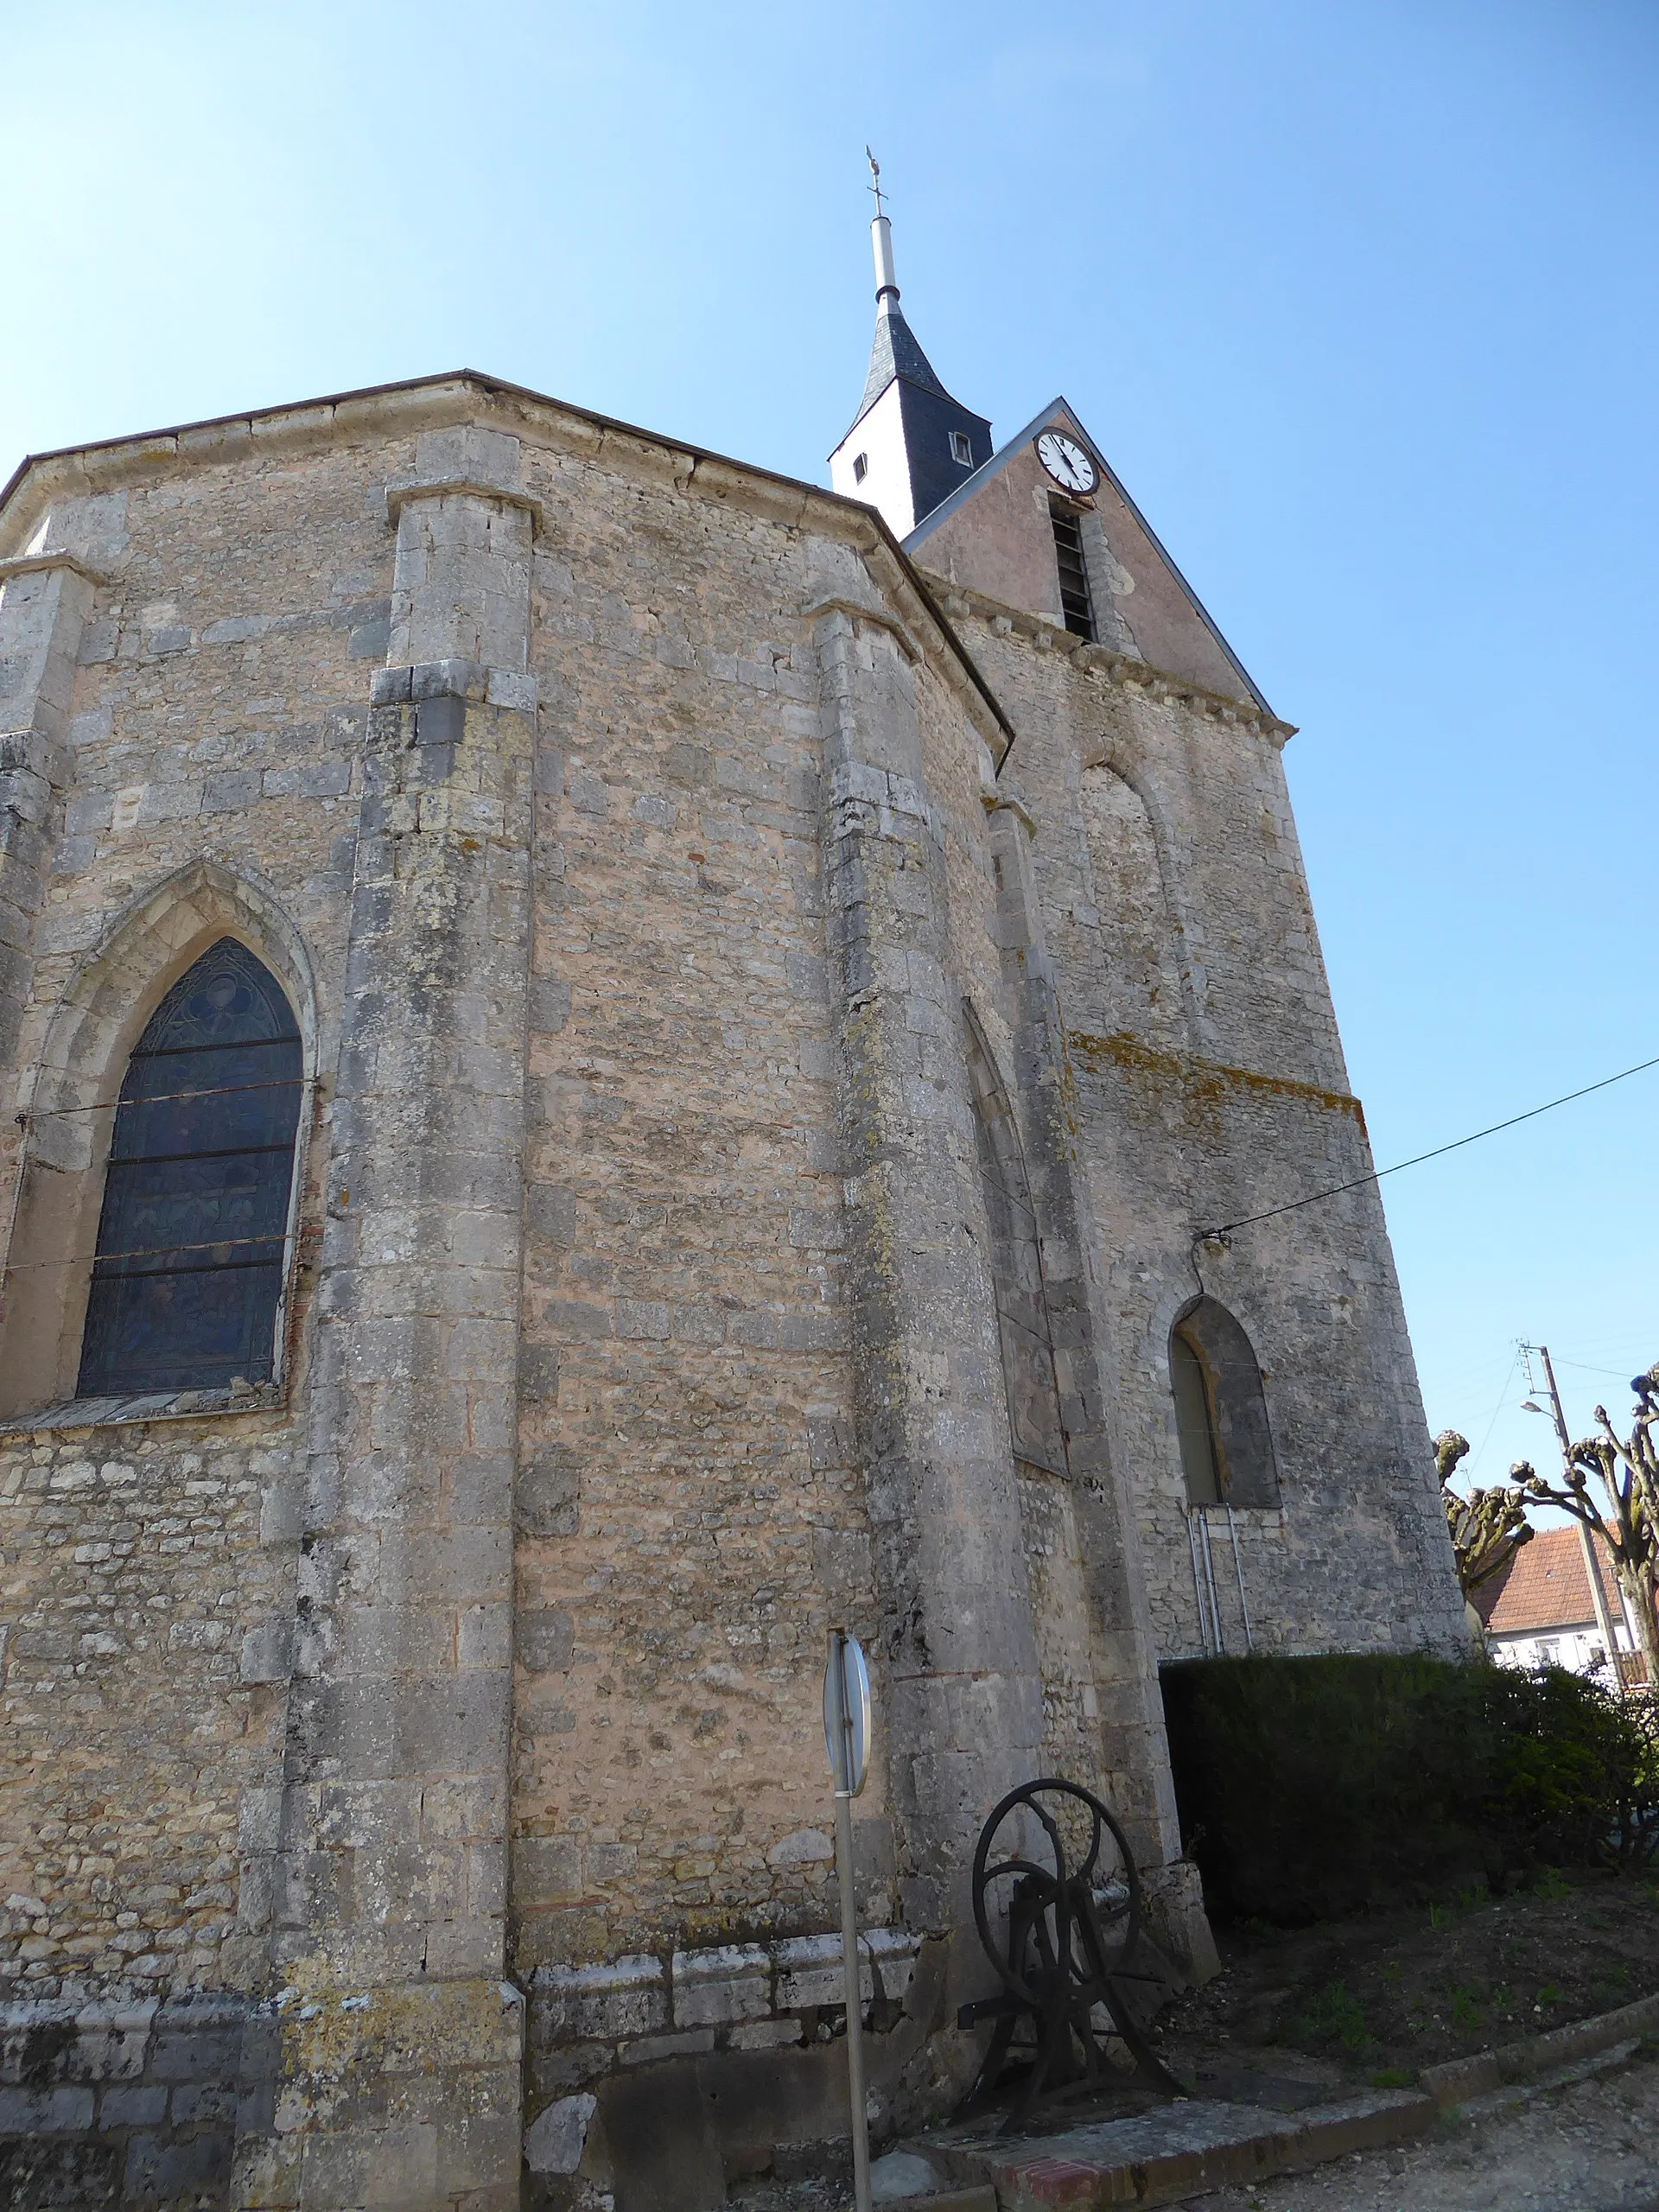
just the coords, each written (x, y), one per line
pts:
(1197, 1577)
(1238, 1569)
(1210, 1577)
(1586, 1545)
(852, 1978)
(847, 1772)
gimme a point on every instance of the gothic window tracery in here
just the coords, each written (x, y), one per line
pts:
(191, 1239)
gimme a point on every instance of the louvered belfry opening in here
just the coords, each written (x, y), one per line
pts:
(1074, 575)
(195, 1224)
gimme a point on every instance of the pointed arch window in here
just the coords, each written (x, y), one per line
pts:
(187, 1281)
(1221, 1411)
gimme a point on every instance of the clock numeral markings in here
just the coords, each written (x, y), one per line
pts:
(1066, 462)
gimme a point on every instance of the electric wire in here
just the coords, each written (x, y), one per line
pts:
(1480, 1452)
(1357, 1182)
(169, 1097)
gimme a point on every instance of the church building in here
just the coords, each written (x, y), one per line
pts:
(612, 1062)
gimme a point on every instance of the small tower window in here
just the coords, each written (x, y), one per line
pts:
(861, 466)
(962, 449)
(1074, 576)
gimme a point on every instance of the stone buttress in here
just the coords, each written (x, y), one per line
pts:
(401, 2042)
(961, 1662)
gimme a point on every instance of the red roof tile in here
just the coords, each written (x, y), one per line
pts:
(1545, 1588)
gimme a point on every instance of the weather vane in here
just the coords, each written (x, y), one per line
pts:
(875, 171)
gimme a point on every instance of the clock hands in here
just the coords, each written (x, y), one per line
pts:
(1066, 462)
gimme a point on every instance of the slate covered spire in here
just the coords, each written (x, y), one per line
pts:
(911, 444)
(895, 352)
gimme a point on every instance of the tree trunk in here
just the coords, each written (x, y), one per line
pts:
(1637, 1586)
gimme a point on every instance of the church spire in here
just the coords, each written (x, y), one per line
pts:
(911, 443)
(895, 352)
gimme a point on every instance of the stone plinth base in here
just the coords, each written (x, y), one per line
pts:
(409, 2097)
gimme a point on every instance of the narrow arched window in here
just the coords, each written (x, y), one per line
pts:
(188, 1276)
(1221, 1412)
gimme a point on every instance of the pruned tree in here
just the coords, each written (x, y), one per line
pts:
(1625, 1516)
(1487, 1528)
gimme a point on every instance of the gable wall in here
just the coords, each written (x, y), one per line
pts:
(1000, 542)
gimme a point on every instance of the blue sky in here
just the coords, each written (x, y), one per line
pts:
(1359, 300)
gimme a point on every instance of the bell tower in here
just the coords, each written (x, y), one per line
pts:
(911, 444)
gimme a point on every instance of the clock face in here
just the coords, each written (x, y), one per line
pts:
(1066, 462)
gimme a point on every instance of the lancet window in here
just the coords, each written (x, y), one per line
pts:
(187, 1286)
(1221, 1410)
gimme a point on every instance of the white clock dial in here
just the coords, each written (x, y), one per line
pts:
(1066, 462)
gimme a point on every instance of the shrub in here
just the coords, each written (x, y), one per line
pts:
(1311, 1788)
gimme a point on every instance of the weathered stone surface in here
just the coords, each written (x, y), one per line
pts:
(748, 1179)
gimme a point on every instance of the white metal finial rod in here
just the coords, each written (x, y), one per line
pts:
(886, 283)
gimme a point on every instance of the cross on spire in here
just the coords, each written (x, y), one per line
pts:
(875, 172)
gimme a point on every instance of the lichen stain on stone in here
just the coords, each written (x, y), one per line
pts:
(1206, 1082)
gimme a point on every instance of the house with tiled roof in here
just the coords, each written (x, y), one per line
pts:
(1542, 1609)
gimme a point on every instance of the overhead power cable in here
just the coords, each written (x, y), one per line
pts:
(1357, 1182)
(171, 1097)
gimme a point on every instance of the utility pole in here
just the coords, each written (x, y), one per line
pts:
(1587, 1542)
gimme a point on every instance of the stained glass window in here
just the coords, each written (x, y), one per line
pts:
(190, 1243)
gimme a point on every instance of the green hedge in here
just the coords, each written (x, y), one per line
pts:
(1312, 1788)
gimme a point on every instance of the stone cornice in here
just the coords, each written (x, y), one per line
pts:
(1123, 1049)
(30, 564)
(397, 497)
(1119, 668)
(467, 395)
(857, 612)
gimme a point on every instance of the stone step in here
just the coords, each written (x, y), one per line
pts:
(1176, 2150)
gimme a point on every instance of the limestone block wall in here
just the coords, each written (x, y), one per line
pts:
(1206, 1081)
(691, 1505)
(146, 1613)
(688, 1496)
(624, 828)
(757, 2031)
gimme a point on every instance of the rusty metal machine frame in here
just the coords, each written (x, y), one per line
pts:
(1067, 1956)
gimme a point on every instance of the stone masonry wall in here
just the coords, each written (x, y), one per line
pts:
(134, 2102)
(1228, 1100)
(687, 1504)
(626, 832)
(143, 1730)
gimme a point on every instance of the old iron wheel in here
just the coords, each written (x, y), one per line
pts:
(1056, 1887)
(1062, 1957)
